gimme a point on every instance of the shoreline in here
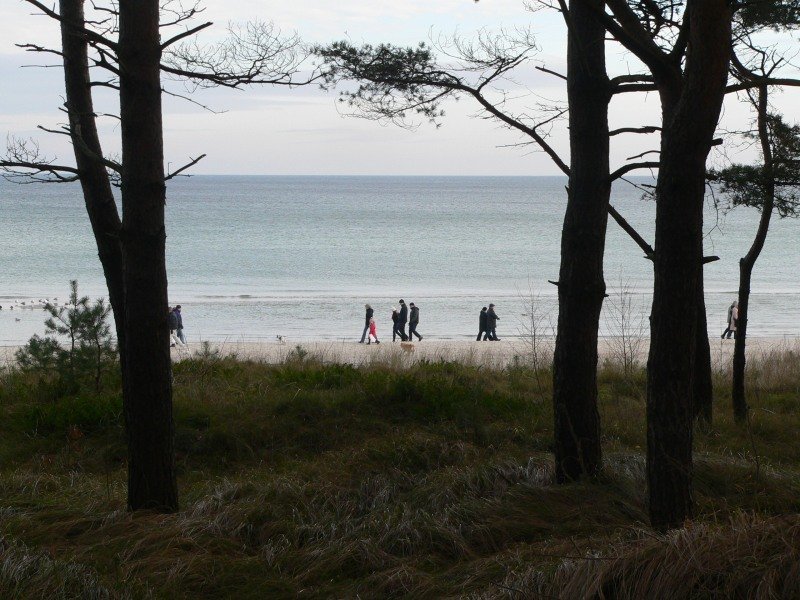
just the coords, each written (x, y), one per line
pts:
(488, 354)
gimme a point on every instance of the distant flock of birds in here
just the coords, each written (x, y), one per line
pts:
(41, 303)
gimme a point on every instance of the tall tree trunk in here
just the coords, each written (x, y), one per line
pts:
(98, 198)
(703, 390)
(691, 108)
(747, 262)
(581, 287)
(147, 380)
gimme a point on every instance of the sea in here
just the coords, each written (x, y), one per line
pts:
(250, 258)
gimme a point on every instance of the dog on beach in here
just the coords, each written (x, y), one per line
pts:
(281, 339)
(407, 347)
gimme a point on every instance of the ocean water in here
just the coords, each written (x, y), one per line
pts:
(250, 258)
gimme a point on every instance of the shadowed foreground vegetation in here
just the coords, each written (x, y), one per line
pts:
(312, 480)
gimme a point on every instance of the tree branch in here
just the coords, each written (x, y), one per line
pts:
(188, 165)
(185, 34)
(556, 74)
(90, 35)
(632, 167)
(644, 129)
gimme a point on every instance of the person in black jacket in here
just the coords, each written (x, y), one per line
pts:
(482, 325)
(402, 319)
(413, 322)
(172, 319)
(370, 312)
(395, 318)
(491, 324)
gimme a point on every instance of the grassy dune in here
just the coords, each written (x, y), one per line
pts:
(319, 481)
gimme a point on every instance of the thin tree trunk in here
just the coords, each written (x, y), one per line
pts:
(147, 381)
(747, 263)
(96, 186)
(581, 287)
(691, 107)
(703, 391)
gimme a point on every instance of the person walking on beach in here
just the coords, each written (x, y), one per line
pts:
(370, 312)
(482, 325)
(413, 322)
(733, 318)
(179, 320)
(395, 319)
(491, 324)
(402, 319)
(373, 332)
(172, 320)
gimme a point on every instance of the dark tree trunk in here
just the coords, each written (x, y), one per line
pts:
(147, 380)
(703, 391)
(99, 200)
(691, 107)
(581, 287)
(747, 263)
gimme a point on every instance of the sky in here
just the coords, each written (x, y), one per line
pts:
(302, 131)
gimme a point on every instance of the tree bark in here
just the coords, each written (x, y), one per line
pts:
(581, 287)
(747, 262)
(691, 106)
(147, 380)
(703, 389)
(96, 186)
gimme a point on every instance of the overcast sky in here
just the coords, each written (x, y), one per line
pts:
(302, 131)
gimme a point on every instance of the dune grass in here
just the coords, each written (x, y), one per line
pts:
(434, 480)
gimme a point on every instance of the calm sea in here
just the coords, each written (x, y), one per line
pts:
(250, 258)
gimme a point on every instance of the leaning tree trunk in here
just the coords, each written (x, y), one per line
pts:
(747, 262)
(691, 107)
(98, 198)
(581, 287)
(147, 379)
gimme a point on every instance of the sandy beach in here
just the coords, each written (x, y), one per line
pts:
(490, 354)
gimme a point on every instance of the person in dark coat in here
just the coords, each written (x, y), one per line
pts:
(482, 325)
(402, 319)
(491, 324)
(413, 322)
(179, 332)
(370, 312)
(395, 318)
(172, 320)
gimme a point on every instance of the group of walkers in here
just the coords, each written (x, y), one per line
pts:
(487, 323)
(400, 317)
(176, 326)
(409, 315)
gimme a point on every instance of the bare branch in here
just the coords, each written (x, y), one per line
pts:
(91, 36)
(185, 34)
(37, 48)
(24, 163)
(254, 54)
(644, 129)
(645, 153)
(633, 167)
(544, 70)
(640, 241)
(188, 165)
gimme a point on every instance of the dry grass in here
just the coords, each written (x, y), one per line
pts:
(387, 480)
(746, 557)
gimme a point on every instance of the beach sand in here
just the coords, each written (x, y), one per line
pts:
(489, 354)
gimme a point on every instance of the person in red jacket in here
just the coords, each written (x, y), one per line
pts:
(373, 332)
